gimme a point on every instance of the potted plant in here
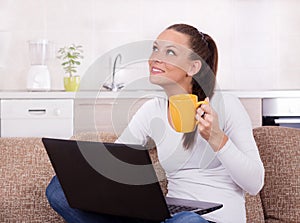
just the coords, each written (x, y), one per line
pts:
(71, 56)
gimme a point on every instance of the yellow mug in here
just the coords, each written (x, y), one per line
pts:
(182, 108)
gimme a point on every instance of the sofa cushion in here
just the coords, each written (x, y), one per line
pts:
(95, 136)
(254, 209)
(25, 171)
(279, 148)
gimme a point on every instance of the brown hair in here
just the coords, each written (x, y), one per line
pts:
(203, 83)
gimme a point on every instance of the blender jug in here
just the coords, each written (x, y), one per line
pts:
(38, 76)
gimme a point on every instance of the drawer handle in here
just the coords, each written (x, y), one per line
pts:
(37, 111)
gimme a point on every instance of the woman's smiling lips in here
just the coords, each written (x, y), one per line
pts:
(156, 70)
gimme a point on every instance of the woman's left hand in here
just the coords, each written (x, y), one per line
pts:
(208, 126)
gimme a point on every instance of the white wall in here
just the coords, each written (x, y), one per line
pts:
(258, 40)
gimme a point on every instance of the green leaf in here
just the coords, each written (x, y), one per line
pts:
(70, 56)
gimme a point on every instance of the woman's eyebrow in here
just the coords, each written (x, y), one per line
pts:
(167, 45)
(171, 46)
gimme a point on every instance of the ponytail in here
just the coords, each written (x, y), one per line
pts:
(203, 83)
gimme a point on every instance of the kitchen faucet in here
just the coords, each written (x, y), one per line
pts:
(114, 86)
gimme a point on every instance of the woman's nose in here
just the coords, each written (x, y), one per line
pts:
(156, 58)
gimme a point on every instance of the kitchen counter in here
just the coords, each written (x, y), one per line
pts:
(81, 95)
(135, 94)
(265, 94)
(36, 95)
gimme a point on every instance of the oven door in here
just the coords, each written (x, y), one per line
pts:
(281, 112)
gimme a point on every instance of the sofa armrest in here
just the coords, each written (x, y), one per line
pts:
(279, 149)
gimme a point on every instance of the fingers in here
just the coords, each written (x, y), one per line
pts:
(208, 126)
(206, 107)
(204, 110)
(204, 118)
(204, 127)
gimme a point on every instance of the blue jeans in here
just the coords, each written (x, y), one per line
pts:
(58, 202)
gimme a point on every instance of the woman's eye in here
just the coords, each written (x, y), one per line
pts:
(171, 52)
(154, 49)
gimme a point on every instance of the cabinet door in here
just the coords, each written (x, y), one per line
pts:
(104, 115)
(37, 118)
(254, 108)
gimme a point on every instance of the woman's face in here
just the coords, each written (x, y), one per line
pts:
(169, 62)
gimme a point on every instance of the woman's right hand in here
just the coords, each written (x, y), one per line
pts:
(208, 126)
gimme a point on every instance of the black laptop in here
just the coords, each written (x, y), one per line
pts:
(114, 179)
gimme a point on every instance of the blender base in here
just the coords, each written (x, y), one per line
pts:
(38, 78)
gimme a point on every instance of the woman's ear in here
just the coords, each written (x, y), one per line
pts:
(194, 68)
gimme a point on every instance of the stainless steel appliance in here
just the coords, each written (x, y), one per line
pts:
(281, 112)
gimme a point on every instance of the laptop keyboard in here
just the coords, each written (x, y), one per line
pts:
(178, 208)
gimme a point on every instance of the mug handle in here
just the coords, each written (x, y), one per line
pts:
(201, 103)
(197, 106)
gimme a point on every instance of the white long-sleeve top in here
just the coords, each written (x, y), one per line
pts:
(199, 173)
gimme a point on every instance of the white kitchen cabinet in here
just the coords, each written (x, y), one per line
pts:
(254, 108)
(105, 114)
(36, 118)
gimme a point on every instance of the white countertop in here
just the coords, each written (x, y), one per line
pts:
(135, 94)
(265, 94)
(80, 94)
(36, 94)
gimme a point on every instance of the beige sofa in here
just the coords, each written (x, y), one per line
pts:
(25, 172)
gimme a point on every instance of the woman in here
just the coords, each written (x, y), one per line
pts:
(218, 162)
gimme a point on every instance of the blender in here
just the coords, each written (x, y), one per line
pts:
(38, 75)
